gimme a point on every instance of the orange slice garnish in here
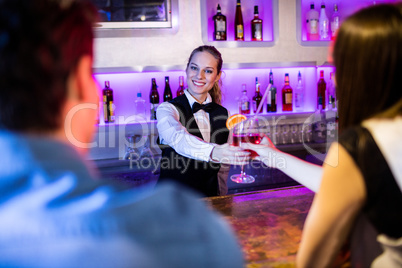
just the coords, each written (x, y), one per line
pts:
(235, 119)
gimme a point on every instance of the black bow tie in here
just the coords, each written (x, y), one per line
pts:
(206, 107)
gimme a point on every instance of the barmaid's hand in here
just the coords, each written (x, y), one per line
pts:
(228, 154)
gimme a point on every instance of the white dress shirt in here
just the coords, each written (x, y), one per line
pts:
(173, 133)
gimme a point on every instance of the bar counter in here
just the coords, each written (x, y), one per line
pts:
(268, 223)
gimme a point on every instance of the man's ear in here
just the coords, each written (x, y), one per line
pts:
(84, 79)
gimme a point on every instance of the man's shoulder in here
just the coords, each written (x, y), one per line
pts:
(170, 226)
(177, 201)
(185, 229)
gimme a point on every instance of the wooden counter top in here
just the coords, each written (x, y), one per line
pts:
(268, 223)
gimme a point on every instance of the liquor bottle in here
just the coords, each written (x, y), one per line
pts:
(321, 89)
(256, 26)
(154, 99)
(271, 98)
(312, 23)
(319, 124)
(331, 91)
(239, 27)
(299, 94)
(323, 23)
(167, 93)
(244, 101)
(335, 21)
(219, 25)
(108, 106)
(257, 96)
(139, 107)
(330, 117)
(287, 96)
(180, 90)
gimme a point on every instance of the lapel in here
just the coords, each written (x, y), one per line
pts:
(213, 114)
(186, 115)
(216, 119)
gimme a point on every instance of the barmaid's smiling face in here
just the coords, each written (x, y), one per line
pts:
(201, 74)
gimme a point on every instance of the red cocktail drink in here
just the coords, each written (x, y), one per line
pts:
(250, 138)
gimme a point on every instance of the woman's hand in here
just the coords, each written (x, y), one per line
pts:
(267, 141)
(266, 150)
(228, 154)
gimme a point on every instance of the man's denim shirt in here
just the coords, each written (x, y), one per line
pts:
(55, 213)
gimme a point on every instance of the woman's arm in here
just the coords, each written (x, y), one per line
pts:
(301, 171)
(341, 196)
(174, 134)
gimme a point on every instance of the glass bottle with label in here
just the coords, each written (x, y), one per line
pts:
(239, 26)
(167, 93)
(271, 98)
(139, 107)
(331, 92)
(319, 124)
(312, 23)
(219, 25)
(299, 94)
(256, 26)
(323, 23)
(287, 96)
(244, 101)
(330, 117)
(154, 99)
(180, 89)
(108, 105)
(335, 22)
(321, 90)
(257, 96)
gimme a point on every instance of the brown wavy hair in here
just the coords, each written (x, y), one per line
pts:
(368, 60)
(215, 91)
(41, 42)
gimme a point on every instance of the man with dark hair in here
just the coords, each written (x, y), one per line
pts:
(53, 213)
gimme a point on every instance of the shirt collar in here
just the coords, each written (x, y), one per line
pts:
(191, 99)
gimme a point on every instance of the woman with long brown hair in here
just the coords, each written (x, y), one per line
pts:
(360, 184)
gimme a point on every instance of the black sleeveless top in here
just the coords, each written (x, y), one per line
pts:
(198, 175)
(383, 207)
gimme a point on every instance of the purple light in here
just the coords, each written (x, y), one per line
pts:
(127, 85)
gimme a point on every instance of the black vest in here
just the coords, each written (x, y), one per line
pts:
(198, 175)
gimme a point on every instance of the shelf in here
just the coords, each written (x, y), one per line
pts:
(345, 9)
(139, 69)
(127, 81)
(268, 13)
(147, 126)
(182, 68)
